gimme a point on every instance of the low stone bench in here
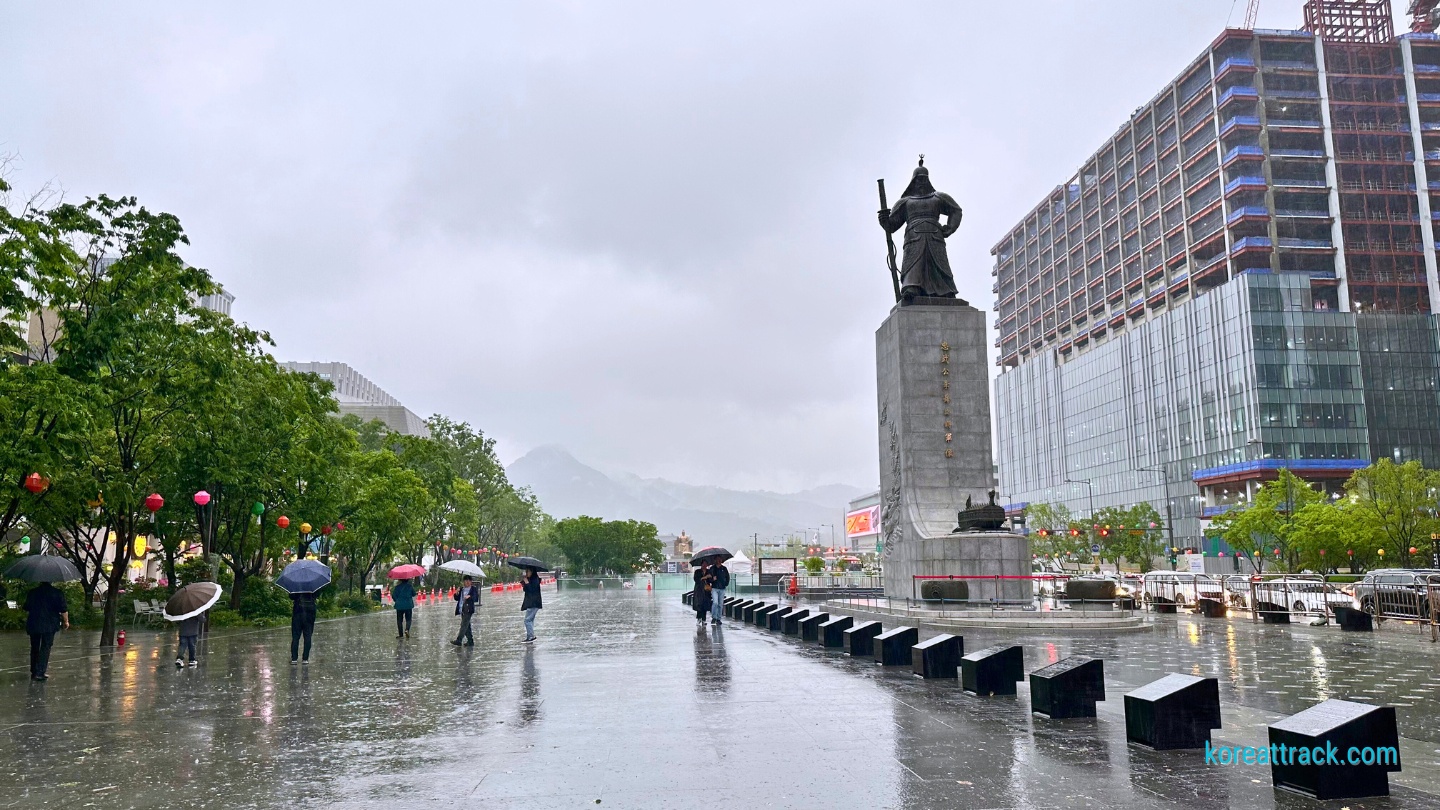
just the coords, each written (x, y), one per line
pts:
(1337, 725)
(944, 590)
(790, 621)
(1350, 618)
(1177, 711)
(938, 657)
(993, 670)
(810, 625)
(747, 611)
(1068, 688)
(832, 633)
(733, 609)
(688, 597)
(1162, 605)
(860, 638)
(892, 648)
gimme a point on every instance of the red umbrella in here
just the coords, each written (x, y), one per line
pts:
(407, 571)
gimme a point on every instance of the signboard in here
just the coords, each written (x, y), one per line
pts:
(773, 568)
(1195, 563)
(1095, 548)
(862, 522)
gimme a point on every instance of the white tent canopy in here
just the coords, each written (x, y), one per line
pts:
(740, 564)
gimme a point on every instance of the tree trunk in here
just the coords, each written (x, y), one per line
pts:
(237, 590)
(112, 596)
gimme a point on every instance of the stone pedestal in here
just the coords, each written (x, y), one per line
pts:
(934, 401)
(1353, 619)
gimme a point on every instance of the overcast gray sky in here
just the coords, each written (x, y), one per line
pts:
(643, 231)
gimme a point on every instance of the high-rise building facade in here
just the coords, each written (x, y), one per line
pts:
(356, 394)
(1242, 278)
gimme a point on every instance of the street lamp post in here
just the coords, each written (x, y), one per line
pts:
(1169, 523)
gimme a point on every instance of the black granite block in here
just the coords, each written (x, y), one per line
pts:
(1210, 608)
(776, 619)
(688, 597)
(892, 648)
(1162, 605)
(860, 638)
(747, 611)
(810, 625)
(764, 612)
(790, 621)
(832, 633)
(938, 657)
(993, 670)
(1177, 711)
(736, 609)
(1068, 688)
(1271, 613)
(1332, 729)
(1350, 618)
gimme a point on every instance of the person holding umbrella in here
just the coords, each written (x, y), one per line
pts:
(466, 599)
(530, 583)
(301, 579)
(701, 600)
(45, 607)
(188, 607)
(403, 597)
(719, 581)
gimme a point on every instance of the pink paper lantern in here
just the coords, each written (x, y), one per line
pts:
(202, 497)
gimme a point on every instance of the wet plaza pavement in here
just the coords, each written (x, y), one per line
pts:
(623, 700)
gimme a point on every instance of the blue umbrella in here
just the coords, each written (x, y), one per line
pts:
(304, 576)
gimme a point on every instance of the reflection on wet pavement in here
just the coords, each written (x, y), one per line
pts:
(626, 700)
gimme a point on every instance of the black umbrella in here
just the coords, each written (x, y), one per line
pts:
(704, 554)
(304, 576)
(43, 568)
(528, 562)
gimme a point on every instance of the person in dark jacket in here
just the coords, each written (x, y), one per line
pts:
(46, 612)
(403, 595)
(302, 623)
(701, 600)
(189, 633)
(530, 583)
(719, 581)
(466, 600)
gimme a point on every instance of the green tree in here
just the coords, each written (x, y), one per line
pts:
(1050, 530)
(388, 503)
(1268, 522)
(1396, 505)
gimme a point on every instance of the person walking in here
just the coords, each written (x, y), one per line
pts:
(403, 595)
(466, 599)
(302, 624)
(46, 612)
(701, 601)
(719, 581)
(189, 633)
(530, 583)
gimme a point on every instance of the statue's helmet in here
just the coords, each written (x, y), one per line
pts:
(919, 181)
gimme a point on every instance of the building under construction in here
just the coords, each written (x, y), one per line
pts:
(1242, 278)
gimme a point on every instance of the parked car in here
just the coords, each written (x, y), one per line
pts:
(1398, 592)
(1181, 587)
(1301, 595)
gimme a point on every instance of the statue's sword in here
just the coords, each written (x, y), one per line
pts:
(889, 243)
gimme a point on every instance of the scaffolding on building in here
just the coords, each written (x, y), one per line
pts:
(1350, 20)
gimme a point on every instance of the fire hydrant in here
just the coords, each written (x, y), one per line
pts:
(120, 639)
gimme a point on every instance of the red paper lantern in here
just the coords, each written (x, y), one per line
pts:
(1349, 553)
(36, 483)
(154, 502)
(202, 497)
(1322, 552)
(1412, 549)
(283, 522)
(339, 527)
(325, 530)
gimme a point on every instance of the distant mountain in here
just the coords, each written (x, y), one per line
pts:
(567, 487)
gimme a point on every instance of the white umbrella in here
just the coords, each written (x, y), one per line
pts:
(464, 567)
(192, 600)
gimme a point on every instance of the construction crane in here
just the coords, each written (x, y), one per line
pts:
(1252, 8)
(1423, 16)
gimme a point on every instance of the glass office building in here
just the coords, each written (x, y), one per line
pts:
(1241, 279)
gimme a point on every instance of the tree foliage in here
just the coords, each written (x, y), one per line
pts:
(596, 546)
